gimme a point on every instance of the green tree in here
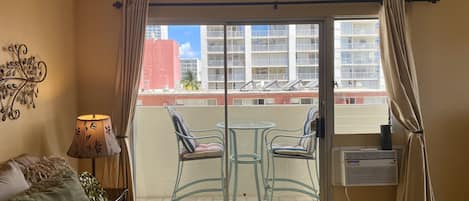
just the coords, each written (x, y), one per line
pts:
(189, 81)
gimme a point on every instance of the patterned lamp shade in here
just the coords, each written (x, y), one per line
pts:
(93, 138)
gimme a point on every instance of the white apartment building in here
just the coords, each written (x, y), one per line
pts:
(289, 52)
(191, 65)
(357, 57)
(156, 32)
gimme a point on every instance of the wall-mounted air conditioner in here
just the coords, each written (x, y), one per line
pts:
(369, 168)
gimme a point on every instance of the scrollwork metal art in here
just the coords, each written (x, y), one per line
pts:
(19, 78)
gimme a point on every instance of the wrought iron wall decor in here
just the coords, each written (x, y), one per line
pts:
(19, 78)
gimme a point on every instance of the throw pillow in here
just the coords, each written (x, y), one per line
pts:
(12, 180)
(92, 187)
(61, 187)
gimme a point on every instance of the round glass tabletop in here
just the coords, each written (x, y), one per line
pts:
(247, 125)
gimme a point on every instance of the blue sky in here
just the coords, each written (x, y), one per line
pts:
(188, 39)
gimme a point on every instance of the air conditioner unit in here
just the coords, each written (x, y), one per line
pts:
(369, 168)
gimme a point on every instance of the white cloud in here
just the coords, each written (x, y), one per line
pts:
(185, 50)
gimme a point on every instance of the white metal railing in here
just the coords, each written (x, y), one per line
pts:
(221, 77)
(218, 34)
(270, 76)
(307, 61)
(270, 62)
(307, 32)
(230, 48)
(360, 75)
(282, 47)
(307, 76)
(359, 46)
(307, 46)
(222, 63)
(267, 33)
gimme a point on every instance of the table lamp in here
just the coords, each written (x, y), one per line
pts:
(93, 138)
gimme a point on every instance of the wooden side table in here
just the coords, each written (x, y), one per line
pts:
(116, 194)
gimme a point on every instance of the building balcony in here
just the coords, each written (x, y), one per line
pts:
(270, 48)
(307, 76)
(271, 76)
(307, 47)
(269, 62)
(221, 63)
(230, 48)
(307, 62)
(231, 77)
(269, 33)
(220, 34)
(156, 150)
(360, 75)
(307, 32)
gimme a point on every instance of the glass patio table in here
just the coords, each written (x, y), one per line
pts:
(255, 158)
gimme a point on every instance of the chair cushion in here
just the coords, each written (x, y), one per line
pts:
(180, 127)
(290, 150)
(12, 180)
(203, 151)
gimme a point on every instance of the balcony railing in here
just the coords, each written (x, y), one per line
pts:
(271, 76)
(283, 47)
(270, 62)
(220, 34)
(231, 48)
(307, 76)
(268, 33)
(360, 75)
(307, 61)
(156, 142)
(359, 46)
(231, 77)
(307, 32)
(218, 63)
(307, 46)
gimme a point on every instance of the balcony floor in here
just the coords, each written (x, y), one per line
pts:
(277, 198)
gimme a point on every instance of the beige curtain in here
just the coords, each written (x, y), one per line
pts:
(401, 82)
(118, 170)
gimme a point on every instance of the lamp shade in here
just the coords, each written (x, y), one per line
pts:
(93, 137)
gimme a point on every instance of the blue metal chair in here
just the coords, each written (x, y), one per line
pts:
(190, 149)
(304, 147)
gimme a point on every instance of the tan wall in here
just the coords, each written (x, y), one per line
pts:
(97, 40)
(440, 44)
(47, 27)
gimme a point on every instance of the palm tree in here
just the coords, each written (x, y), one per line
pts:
(189, 82)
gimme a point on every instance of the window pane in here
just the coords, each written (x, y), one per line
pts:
(360, 95)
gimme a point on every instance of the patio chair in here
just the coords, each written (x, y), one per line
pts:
(303, 148)
(190, 148)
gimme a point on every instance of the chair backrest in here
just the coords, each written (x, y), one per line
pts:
(181, 128)
(310, 128)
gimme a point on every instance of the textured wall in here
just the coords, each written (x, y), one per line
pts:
(47, 27)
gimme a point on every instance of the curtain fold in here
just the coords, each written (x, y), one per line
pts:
(402, 87)
(118, 170)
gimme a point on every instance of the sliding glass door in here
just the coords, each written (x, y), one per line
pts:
(262, 76)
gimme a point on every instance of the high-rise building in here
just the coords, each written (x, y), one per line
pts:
(289, 52)
(156, 32)
(357, 62)
(191, 65)
(161, 68)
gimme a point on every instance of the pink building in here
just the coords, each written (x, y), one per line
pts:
(161, 68)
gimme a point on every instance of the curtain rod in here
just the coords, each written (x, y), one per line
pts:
(118, 4)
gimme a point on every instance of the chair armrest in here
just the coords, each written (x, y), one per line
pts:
(216, 137)
(276, 130)
(287, 136)
(216, 130)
